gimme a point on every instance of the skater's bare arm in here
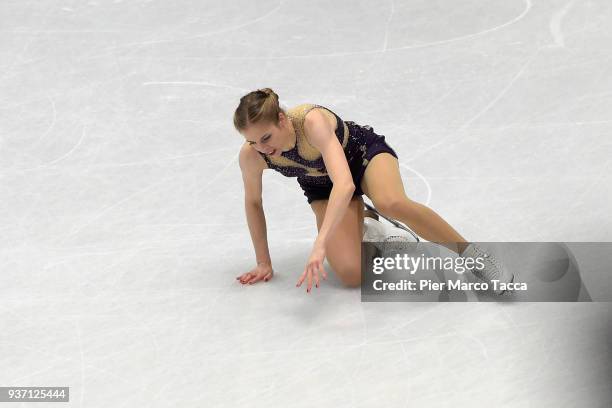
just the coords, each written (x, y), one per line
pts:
(322, 136)
(252, 166)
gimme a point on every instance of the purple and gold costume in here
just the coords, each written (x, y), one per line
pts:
(305, 162)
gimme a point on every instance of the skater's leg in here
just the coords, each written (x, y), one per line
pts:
(343, 249)
(382, 183)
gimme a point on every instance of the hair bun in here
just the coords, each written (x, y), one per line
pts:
(258, 105)
(267, 91)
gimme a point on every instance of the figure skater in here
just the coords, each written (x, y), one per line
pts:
(335, 163)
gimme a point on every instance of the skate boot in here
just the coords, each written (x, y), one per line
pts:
(388, 239)
(493, 268)
(373, 230)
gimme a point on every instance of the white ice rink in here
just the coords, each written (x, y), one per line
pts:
(121, 213)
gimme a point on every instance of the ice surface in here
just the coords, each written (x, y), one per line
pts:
(122, 216)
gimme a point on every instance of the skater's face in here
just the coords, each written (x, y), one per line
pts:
(270, 139)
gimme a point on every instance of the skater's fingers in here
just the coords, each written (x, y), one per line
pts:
(310, 272)
(268, 277)
(248, 277)
(323, 271)
(302, 277)
(317, 269)
(306, 274)
(256, 278)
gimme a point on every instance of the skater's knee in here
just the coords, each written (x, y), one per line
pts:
(350, 275)
(396, 207)
(351, 282)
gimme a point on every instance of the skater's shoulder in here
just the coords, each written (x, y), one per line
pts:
(311, 112)
(301, 110)
(250, 159)
(304, 108)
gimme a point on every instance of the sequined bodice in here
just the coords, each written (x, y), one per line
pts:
(304, 160)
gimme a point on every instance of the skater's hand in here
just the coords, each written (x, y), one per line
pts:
(261, 271)
(314, 266)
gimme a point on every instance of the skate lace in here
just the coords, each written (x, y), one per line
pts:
(396, 238)
(394, 243)
(490, 274)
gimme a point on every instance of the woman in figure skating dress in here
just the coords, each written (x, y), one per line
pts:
(335, 163)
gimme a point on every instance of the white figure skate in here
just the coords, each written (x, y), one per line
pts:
(389, 239)
(493, 268)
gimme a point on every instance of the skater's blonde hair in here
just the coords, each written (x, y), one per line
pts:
(257, 106)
